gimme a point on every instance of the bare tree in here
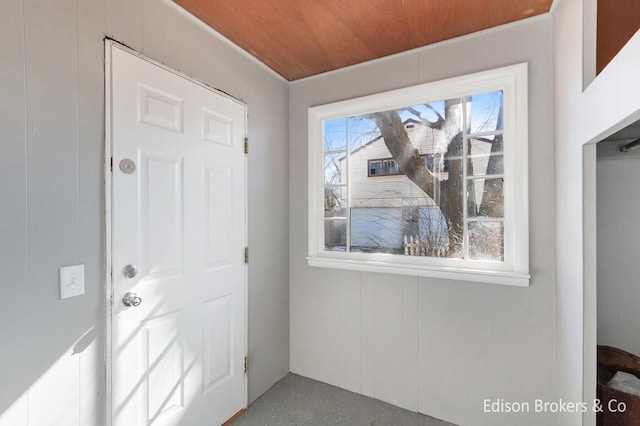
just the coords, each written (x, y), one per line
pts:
(447, 194)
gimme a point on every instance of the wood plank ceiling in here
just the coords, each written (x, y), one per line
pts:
(300, 38)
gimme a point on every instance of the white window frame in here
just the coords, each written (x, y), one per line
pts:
(514, 270)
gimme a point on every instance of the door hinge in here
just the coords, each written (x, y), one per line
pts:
(246, 364)
(111, 165)
(246, 144)
(246, 255)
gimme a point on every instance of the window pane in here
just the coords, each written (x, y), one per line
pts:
(335, 135)
(386, 209)
(486, 241)
(432, 238)
(484, 145)
(376, 230)
(486, 165)
(334, 165)
(389, 167)
(435, 190)
(485, 197)
(449, 197)
(375, 168)
(362, 131)
(335, 235)
(486, 155)
(335, 202)
(486, 112)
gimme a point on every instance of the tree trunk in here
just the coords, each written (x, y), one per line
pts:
(400, 146)
(452, 195)
(493, 193)
(446, 194)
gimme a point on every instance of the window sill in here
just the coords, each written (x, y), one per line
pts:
(474, 275)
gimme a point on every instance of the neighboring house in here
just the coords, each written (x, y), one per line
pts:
(385, 204)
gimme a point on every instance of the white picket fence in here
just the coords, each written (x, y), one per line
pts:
(414, 246)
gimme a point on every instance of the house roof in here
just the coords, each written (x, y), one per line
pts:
(405, 122)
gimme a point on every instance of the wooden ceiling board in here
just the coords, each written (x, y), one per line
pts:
(300, 38)
(617, 22)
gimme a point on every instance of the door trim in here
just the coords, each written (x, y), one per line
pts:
(109, 45)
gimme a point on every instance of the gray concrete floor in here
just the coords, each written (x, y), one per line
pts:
(299, 401)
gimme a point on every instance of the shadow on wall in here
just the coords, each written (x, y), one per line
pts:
(64, 375)
(57, 377)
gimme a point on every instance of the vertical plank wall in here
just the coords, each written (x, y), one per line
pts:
(582, 115)
(618, 245)
(53, 232)
(435, 346)
(13, 213)
(52, 195)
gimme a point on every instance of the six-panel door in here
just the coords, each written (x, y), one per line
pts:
(178, 216)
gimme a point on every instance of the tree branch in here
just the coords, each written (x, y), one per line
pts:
(440, 118)
(432, 124)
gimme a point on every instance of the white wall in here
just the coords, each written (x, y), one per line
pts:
(618, 202)
(435, 346)
(51, 187)
(608, 104)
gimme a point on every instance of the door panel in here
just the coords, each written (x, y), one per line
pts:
(218, 356)
(178, 215)
(161, 200)
(219, 214)
(216, 128)
(162, 354)
(159, 109)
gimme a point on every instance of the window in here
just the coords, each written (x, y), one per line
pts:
(384, 167)
(429, 180)
(390, 167)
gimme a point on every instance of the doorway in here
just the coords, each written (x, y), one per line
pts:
(610, 294)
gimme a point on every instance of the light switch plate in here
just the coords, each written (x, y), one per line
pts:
(71, 281)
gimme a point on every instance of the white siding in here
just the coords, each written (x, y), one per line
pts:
(398, 190)
(387, 191)
(52, 213)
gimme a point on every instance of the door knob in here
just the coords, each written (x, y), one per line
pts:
(129, 271)
(131, 299)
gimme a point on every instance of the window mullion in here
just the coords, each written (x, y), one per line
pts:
(485, 219)
(486, 177)
(348, 183)
(465, 204)
(487, 133)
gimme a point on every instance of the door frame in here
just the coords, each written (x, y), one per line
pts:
(109, 45)
(590, 256)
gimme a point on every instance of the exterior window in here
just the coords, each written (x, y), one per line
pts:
(375, 168)
(429, 180)
(385, 167)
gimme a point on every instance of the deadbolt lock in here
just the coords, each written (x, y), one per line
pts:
(130, 271)
(127, 166)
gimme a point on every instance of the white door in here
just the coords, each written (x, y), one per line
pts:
(178, 211)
